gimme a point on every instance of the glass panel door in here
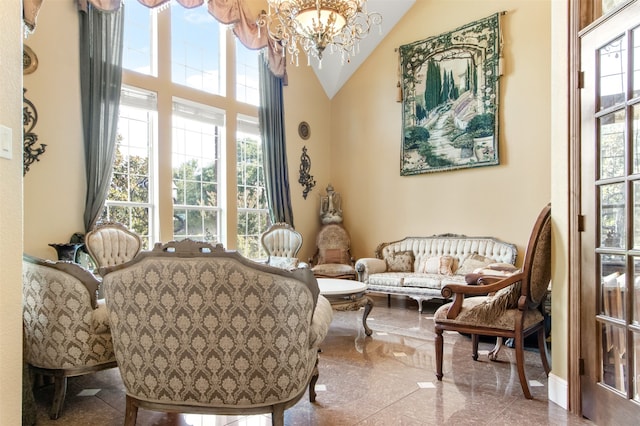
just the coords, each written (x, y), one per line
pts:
(610, 192)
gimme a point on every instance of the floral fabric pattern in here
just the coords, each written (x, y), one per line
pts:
(399, 261)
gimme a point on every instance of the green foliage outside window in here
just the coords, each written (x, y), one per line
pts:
(129, 184)
(252, 201)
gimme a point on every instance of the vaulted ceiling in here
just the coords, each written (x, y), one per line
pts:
(334, 74)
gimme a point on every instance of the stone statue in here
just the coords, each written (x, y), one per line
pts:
(330, 207)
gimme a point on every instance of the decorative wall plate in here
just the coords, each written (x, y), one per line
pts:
(304, 130)
(29, 60)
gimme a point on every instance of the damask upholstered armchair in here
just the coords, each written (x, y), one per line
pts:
(112, 243)
(66, 328)
(198, 329)
(333, 256)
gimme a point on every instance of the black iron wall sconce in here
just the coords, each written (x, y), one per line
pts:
(306, 180)
(29, 121)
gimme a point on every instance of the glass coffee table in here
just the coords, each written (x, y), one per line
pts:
(347, 295)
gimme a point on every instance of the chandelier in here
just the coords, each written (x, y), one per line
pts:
(314, 25)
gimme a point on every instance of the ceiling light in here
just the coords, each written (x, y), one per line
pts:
(315, 25)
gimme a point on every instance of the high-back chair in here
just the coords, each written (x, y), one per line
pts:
(198, 329)
(112, 243)
(282, 244)
(66, 328)
(513, 308)
(333, 256)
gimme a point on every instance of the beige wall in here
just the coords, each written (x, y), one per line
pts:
(305, 100)
(355, 142)
(559, 188)
(381, 205)
(54, 186)
(11, 215)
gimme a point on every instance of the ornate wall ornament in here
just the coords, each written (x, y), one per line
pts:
(29, 121)
(306, 180)
(304, 130)
(29, 60)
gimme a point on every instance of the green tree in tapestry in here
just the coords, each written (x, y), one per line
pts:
(433, 86)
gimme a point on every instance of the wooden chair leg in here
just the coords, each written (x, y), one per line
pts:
(131, 413)
(59, 393)
(542, 347)
(439, 350)
(312, 383)
(277, 418)
(519, 342)
(475, 339)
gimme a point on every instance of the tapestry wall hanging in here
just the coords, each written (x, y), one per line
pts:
(450, 99)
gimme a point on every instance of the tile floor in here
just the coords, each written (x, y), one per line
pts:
(386, 379)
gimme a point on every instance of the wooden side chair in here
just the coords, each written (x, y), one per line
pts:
(513, 308)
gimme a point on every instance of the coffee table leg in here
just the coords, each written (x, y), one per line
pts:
(367, 309)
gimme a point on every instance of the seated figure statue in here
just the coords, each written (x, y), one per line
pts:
(330, 207)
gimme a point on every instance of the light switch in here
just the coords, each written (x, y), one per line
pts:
(5, 142)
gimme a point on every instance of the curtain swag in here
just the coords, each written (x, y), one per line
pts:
(228, 12)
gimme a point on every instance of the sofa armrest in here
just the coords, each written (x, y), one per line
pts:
(369, 265)
(320, 322)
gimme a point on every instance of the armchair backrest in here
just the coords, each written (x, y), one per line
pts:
(196, 324)
(281, 240)
(333, 245)
(111, 243)
(60, 328)
(537, 261)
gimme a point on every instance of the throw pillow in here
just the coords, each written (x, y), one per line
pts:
(283, 262)
(472, 263)
(502, 267)
(442, 265)
(494, 306)
(400, 261)
(335, 256)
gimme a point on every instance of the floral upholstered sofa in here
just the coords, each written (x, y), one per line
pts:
(419, 267)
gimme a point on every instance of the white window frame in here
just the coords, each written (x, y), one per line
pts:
(167, 91)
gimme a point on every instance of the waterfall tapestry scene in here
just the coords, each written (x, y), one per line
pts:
(450, 99)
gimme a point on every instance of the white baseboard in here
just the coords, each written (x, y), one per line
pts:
(558, 391)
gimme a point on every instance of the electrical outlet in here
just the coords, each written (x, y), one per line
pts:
(5, 143)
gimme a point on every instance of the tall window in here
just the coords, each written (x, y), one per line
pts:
(188, 102)
(196, 142)
(130, 199)
(253, 214)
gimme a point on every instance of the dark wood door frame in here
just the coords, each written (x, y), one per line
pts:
(576, 22)
(582, 14)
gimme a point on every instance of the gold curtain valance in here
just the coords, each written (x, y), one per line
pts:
(229, 12)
